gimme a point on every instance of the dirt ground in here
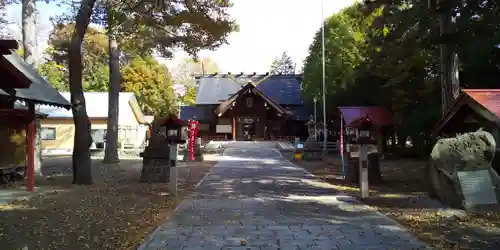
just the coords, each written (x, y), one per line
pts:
(403, 197)
(116, 212)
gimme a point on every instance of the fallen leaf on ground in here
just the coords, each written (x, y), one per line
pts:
(116, 212)
(405, 180)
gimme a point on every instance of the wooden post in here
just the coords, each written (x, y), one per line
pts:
(234, 128)
(30, 134)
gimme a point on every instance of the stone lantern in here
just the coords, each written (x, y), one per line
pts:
(311, 128)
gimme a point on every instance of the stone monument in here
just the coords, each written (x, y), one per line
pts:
(461, 173)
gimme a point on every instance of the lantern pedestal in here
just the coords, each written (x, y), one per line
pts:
(198, 155)
(159, 157)
(198, 152)
(360, 132)
(173, 170)
(155, 165)
(374, 175)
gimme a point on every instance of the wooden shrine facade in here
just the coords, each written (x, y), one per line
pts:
(21, 89)
(249, 114)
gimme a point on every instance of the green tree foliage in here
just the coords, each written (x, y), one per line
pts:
(152, 84)
(390, 49)
(96, 70)
(184, 74)
(160, 27)
(54, 73)
(282, 65)
(345, 51)
(188, 25)
(4, 33)
(95, 51)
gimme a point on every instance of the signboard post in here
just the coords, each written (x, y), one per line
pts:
(362, 136)
(363, 171)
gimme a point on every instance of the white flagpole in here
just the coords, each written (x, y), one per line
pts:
(325, 132)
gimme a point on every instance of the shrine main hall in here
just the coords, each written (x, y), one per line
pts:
(249, 107)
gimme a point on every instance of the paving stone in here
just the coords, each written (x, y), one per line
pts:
(195, 241)
(154, 248)
(193, 248)
(240, 248)
(157, 242)
(268, 205)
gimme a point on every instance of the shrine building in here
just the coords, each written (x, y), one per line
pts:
(249, 107)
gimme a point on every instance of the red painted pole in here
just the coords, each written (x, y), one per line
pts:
(30, 134)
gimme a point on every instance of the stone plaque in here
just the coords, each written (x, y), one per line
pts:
(477, 187)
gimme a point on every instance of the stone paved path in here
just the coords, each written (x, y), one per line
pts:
(253, 199)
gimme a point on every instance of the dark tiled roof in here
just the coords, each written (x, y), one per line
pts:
(378, 116)
(283, 89)
(224, 106)
(300, 113)
(40, 91)
(201, 113)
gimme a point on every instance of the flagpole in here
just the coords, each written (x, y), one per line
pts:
(325, 133)
(342, 144)
(315, 100)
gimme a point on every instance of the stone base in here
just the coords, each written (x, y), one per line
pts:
(155, 174)
(198, 154)
(374, 175)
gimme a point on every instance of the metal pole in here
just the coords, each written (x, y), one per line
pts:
(315, 120)
(325, 133)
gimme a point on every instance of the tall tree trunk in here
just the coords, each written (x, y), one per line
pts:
(111, 152)
(448, 60)
(29, 30)
(82, 173)
(28, 9)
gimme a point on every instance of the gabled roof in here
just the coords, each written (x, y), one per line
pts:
(377, 115)
(485, 102)
(201, 113)
(282, 89)
(224, 106)
(488, 98)
(97, 106)
(300, 113)
(7, 46)
(40, 91)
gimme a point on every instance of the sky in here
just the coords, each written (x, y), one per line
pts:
(267, 29)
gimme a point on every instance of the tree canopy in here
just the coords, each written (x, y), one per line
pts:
(390, 49)
(184, 74)
(282, 65)
(95, 53)
(151, 83)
